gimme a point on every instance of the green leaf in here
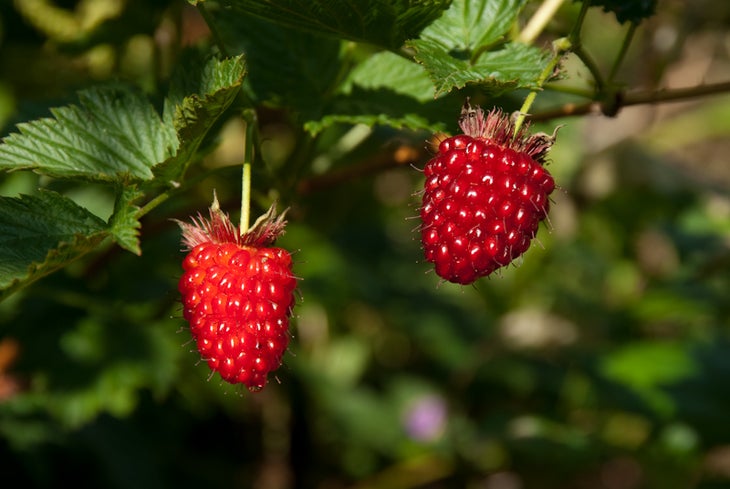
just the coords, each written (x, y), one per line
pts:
(647, 367)
(386, 23)
(209, 77)
(512, 66)
(287, 67)
(124, 224)
(114, 134)
(649, 363)
(390, 71)
(200, 93)
(40, 234)
(472, 24)
(380, 107)
(389, 90)
(462, 48)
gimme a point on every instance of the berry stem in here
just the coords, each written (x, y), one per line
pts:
(245, 198)
(249, 144)
(560, 47)
(622, 53)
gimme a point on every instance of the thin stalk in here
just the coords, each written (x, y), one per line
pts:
(245, 198)
(622, 53)
(577, 47)
(574, 35)
(155, 202)
(159, 199)
(249, 143)
(588, 62)
(213, 29)
(560, 47)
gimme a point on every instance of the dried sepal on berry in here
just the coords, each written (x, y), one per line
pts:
(218, 228)
(498, 128)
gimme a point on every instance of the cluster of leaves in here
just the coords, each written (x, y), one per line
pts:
(115, 136)
(418, 51)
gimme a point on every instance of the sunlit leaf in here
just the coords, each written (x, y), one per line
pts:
(200, 93)
(113, 134)
(396, 73)
(510, 67)
(471, 24)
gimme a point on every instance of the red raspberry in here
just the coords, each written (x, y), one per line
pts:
(486, 192)
(237, 295)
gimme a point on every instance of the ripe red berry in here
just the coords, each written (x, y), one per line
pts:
(486, 192)
(237, 293)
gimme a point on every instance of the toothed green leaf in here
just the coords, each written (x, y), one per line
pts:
(471, 24)
(113, 134)
(40, 234)
(512, 66)
(201, 92)
(124, 224)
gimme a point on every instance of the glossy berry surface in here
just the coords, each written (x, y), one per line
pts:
(484, 198)
(237, 298)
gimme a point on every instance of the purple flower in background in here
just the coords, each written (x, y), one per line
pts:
(425, 418)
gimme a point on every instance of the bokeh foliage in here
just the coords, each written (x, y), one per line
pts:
(597, 361)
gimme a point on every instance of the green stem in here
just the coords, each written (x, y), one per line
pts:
(524, 111)
(622, 53)
(159, 199)
(155, 202)
(213, 29)
(560, 47)
(577, 47)
(574, 35)
(245, 198)
(249, 117)
(588, 62)
(478, 52)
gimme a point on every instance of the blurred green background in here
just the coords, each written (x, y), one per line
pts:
(600, 361)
